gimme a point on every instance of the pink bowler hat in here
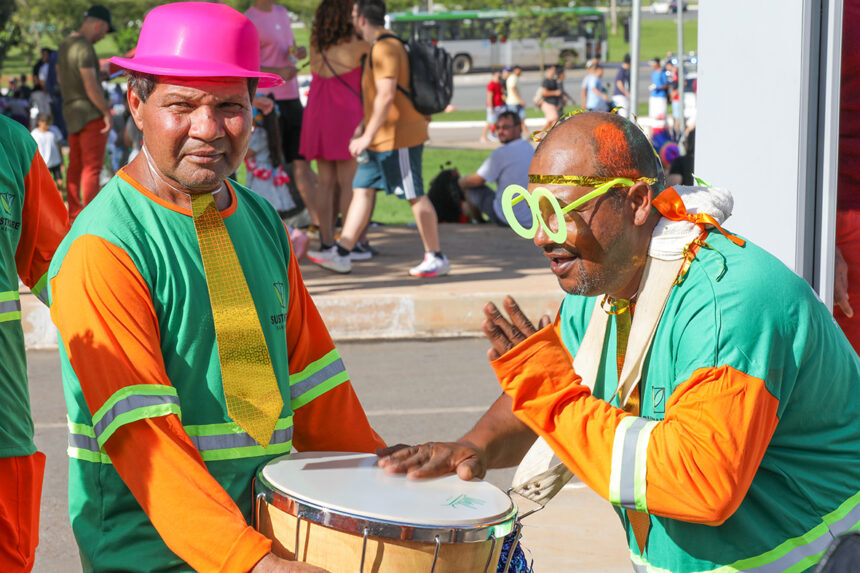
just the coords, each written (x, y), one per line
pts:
(198, 40)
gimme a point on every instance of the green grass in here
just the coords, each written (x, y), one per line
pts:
(656, 38)
(477, 115)
(389, 209)
(393, 211)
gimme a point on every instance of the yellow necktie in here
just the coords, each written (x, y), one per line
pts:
(640, 521)
(250, 388)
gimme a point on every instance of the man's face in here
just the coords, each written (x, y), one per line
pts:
(196, 130)
(596, 255)
(508, 130)
(100, 30)
(356, 20)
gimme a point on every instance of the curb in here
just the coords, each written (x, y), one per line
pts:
(349, 318)
(447, 315)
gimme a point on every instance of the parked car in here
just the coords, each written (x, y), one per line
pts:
(659, 7)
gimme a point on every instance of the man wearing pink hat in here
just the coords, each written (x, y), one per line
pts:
(183, 373)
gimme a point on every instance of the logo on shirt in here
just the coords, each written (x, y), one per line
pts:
(279, 320)
(282, 293)
(7, 200)
(658, 396)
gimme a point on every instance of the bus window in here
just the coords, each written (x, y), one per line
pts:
(429, 31)
(402, 29)
(451, 30)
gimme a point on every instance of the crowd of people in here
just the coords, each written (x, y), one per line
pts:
(185, 371)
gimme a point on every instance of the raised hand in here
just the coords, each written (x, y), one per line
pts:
(504, 334)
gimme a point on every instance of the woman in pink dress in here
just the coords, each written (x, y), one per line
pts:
(334, 109)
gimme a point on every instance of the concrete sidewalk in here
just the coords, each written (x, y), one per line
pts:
(380, 300)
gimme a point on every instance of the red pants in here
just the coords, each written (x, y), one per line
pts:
(20, 497)
(848, 241)
(86, 158)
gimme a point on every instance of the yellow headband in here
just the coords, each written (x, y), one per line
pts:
(580, 180)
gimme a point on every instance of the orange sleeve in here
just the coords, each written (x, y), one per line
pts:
(46, 222)
(104, 313)
(327, 417)
(698, 462)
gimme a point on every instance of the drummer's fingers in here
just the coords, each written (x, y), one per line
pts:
(518, 317)
(545, 321)
(387, 451)
(439, 461)
(471, 468)
(501, 343)
(495, 316)
(405, 459)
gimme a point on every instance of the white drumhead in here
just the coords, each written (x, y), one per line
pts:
(352, 483)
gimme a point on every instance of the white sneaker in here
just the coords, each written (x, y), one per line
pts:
(331, 260)
(431, 266)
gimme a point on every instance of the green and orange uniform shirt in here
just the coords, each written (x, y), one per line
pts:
(33, 221)
(160, 476)
(744, 454)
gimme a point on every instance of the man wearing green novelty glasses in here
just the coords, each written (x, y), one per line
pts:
(690, 378)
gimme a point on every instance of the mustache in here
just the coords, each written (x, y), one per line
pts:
(204, 151)
(560, 251)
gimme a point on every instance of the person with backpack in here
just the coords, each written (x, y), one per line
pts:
(389, 149)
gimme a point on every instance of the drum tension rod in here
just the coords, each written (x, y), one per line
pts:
(298, 526)
(513, 547)
(435, 555)
(490, 556)
(363, 550)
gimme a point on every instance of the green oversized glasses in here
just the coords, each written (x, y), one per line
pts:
(514, 194)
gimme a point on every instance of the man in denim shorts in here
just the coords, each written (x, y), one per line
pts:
(389, 150)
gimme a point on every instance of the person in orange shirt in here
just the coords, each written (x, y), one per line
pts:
(33, 221)
(162, 461)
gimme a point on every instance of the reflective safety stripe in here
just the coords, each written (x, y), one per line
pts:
(83, 444)
(229, 442)
(804, 551)
(226, 441)
(10, 306)
(40, 291)
(318, 378)
(134, 403)
(629, 463)
(797, 554)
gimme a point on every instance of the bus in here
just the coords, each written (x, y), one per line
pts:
(479, 38)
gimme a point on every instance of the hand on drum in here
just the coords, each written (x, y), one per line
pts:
(433, 459)
(504, 334)
(274, 564)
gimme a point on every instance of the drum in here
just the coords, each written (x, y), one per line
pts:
(340, 511)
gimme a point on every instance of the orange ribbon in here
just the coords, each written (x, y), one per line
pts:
(670, 205)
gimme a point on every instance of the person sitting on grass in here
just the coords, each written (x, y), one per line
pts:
(506, 165)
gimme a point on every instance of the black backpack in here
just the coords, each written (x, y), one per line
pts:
(431, 75)
(445, 195)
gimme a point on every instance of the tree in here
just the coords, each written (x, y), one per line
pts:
(10, 34)
(537, 19)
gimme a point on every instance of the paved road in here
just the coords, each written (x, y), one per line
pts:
(412, 391)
